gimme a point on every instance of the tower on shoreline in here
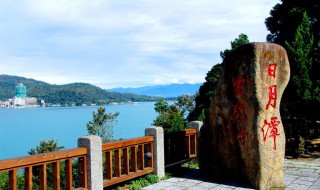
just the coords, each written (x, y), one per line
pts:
(20, 91)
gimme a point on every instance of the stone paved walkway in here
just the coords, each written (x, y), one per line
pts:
(299, 175)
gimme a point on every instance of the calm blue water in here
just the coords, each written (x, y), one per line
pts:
(22, 129)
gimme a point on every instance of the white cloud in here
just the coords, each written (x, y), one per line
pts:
(123, 43)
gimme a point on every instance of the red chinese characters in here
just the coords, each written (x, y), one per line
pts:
(270, 130)
(238, 112)
(272, 96)
(238, 86)
(242, 135)
(272, 68)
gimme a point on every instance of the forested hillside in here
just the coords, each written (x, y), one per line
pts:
(75, 93)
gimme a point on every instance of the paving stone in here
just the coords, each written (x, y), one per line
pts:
(186, 184)
(297, 187)
(161, 185)
(301, 182)
(223, 187)
(306, 170)
(317, 182)
(290, 177)
(298, 176)
(175, 179)
(314, 187)
(175, 188)
(311, 179)
(207, 185)
(198, 188)
(309, 174)
(295, 173)
(195, 180)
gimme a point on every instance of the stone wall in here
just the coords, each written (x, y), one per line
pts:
(243, 137)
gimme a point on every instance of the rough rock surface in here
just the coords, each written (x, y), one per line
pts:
(243, 137)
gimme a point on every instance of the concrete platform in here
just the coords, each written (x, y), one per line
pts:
(299, 175)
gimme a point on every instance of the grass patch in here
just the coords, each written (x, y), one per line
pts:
(191, 165)
(141, 182)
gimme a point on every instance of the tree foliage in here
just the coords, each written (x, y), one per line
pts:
(172, 117)
(300, 57)
(46, 146)
(206, 91)
(102, 124)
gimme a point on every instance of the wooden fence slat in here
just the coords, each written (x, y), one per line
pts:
(117, 164)
(194, 145)
(134, 160)
(187, 146)
(83, 172)
(13, 179)
(126, 163)
(108, 165)
(28, 178)
(141, 157)
(56, 175)
(68, 163)
(43, 176)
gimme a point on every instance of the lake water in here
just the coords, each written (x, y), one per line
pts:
(22, 129)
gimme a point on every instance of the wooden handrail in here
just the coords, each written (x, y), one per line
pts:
(39, 159)
(190, 131)
(126, 143)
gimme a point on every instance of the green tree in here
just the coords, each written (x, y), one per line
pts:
(102, 124)
(185, 104)
(242, 39)
(299, 94)
(206, 91)
(172, 117)
(4, 180)
(46, 146)
(301, 61)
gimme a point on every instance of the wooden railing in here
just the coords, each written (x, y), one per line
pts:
(180, 146)
(40, 162)
(127, 159)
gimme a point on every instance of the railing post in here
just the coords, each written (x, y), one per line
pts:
(94, 161)
(158, 149)
(196, 125)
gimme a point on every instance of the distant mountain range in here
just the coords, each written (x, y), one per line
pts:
(70, 94)
(172, 90)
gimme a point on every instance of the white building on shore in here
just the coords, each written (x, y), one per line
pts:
(20, 98)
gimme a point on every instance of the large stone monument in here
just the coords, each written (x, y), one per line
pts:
(243, 137)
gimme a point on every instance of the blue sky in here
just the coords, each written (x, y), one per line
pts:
(123, 43)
